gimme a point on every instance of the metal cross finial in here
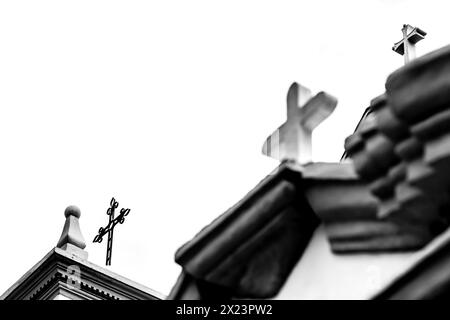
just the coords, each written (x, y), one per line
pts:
(292, 141)
(406, 46)
(110, 227)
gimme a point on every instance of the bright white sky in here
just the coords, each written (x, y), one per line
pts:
(165, 106)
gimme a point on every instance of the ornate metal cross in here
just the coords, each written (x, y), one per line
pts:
(406, 46)
(110, 227)
(292, 141)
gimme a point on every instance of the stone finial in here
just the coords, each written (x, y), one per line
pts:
(71, 239)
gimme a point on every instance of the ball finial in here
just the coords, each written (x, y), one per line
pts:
(72, 211)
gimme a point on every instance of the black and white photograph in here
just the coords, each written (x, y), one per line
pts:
(241, 152)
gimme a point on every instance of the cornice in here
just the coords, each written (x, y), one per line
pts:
(51, 274)
(250, 249)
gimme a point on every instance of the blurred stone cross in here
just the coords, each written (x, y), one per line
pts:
(292, 141)
(407, 46)
(109, 229)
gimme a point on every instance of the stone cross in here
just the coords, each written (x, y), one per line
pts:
(406, 46)
(292, 141)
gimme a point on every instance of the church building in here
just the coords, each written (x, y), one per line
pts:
(65, 273)
(373, 226)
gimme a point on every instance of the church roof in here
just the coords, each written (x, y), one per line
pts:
(391, 196)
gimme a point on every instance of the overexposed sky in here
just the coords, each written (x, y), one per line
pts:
(165, 105)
